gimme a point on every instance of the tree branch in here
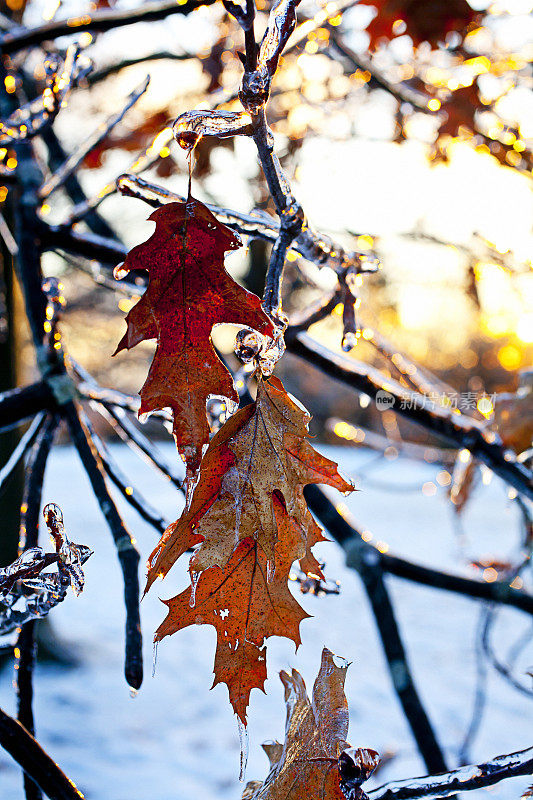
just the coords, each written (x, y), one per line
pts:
(34, 761)
(97, 22)
(127, 553)
(461, 431)
(476, 776)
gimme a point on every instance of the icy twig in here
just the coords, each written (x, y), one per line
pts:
(98, 21)
(129, 492)
(72, 163)
(31, 118)
(476, 776)
(35, 762)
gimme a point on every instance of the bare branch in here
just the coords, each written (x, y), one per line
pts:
(23, 445)
(461, 431)
(127, 553)
(129, 492)
(97, 22)
(34, 761)
(72, 163)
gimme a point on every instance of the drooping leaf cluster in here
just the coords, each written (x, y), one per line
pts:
(246, 520)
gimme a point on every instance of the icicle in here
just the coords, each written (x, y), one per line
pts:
(349, 341)
(243, 738)
(195, 577)
(271, 570)
(154, 658)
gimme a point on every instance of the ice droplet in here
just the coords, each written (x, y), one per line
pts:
(154, 659)
(271, 570)
(120, 271)
(349, 340)
(133, 692)
(243, 738)
(195, 577)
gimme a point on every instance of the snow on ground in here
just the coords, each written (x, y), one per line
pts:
(177, 740)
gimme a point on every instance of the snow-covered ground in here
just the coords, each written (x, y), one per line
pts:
(178, 741)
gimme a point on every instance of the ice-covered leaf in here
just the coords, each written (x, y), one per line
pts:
(261, 452)
(189, 292)
(315, 760)
(246, 602)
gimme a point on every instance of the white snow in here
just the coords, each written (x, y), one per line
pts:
(179, 741)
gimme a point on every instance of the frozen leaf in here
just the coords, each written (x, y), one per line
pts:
(245, 607)
(189, 291)
(315, 760)
(262, 451)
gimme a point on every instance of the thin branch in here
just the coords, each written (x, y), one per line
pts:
(93, 140)
(23, 445)
(136, 440)
(127, 553)
(461, 431)
(29, 537)
(477, 776)
(96, 22)
(23, 748)
(117, 476)
(402, 93)
(497, 591)
(116, 398)
(56, 157)
(111, 69)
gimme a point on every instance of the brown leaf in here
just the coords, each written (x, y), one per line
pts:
(245, 604)
(315, 761)
(261, 450)
(427, 21)
(189, 291)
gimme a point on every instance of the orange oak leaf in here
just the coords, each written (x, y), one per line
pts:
(262, 450)
(246, 603)
(189, 292)
(315, 761)
(424, 21)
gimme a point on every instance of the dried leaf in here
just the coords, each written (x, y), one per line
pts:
(423, 22)
(513, 418)
(262, 449)
(315, 761)
(246, 605)
(189, 291)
